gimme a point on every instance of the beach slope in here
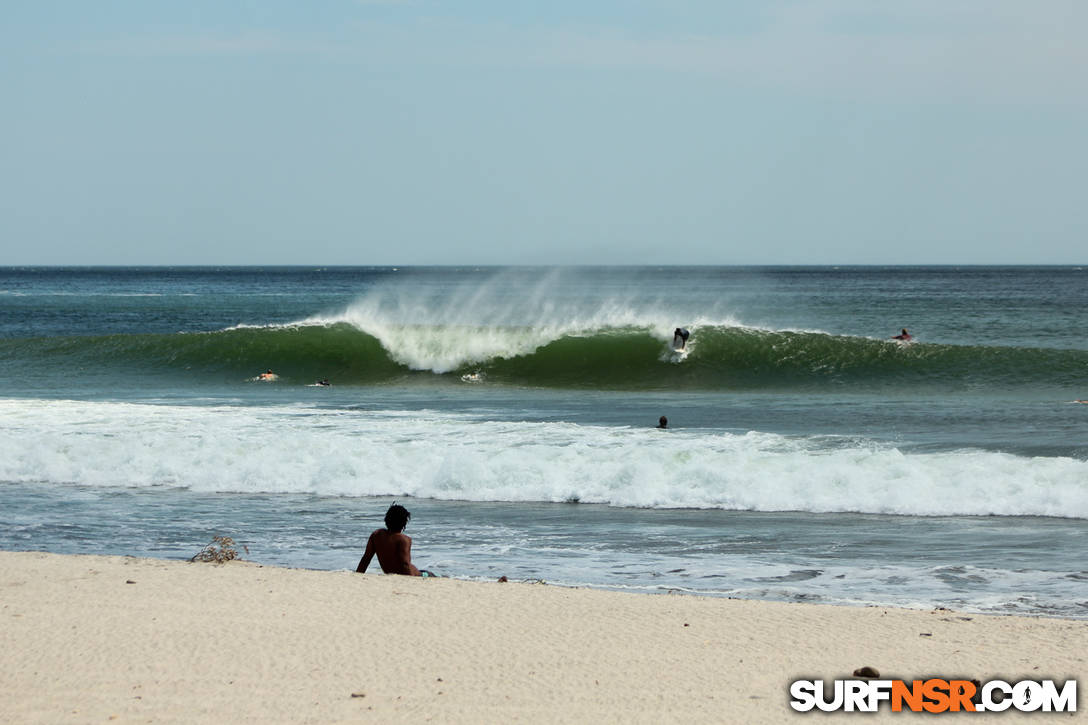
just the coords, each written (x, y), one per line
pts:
(105, 638)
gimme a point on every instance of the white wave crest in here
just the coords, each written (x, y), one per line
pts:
(460, 457)
(508, 314)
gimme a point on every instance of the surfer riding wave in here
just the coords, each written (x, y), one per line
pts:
(680, 338)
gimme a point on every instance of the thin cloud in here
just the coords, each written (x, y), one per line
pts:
(1002, 51)
(848, 47)
(204, 44)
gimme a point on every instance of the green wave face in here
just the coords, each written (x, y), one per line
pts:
(628, 358)
(730, 358)
(302, 353)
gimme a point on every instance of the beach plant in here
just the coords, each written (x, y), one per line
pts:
(218, 551)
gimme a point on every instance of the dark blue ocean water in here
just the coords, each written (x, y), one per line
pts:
(808, 457)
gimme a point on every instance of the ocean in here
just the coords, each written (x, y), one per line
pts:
(808, 456)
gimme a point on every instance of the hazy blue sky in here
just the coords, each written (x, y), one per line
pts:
(587, 132)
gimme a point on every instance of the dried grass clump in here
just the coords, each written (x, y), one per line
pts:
(219, 551)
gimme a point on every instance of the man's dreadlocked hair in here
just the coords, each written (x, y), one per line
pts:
(396, 518)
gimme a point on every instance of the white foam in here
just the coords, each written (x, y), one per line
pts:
(502, 316)
(460, 457)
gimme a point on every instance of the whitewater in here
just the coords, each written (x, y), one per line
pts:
(306, 449)
(808, 456)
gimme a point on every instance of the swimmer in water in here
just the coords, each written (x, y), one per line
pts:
(267, 375)
(904, 336)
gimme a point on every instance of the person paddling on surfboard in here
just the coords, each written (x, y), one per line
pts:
(680, 338)
(392, 545)
(904, 336)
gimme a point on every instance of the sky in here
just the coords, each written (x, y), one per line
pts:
(561, 132)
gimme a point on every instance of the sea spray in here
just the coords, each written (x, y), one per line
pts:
(510, 314)
(131, 424)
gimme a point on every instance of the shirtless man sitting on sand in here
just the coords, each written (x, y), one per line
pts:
(391, 544)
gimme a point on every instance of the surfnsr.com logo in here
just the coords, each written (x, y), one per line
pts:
(933, 695)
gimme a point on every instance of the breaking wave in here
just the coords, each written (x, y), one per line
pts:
(624, 357)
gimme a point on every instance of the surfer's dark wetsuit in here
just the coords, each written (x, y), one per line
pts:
(680, 338)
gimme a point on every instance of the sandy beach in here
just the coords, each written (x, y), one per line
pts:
(106, 638)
